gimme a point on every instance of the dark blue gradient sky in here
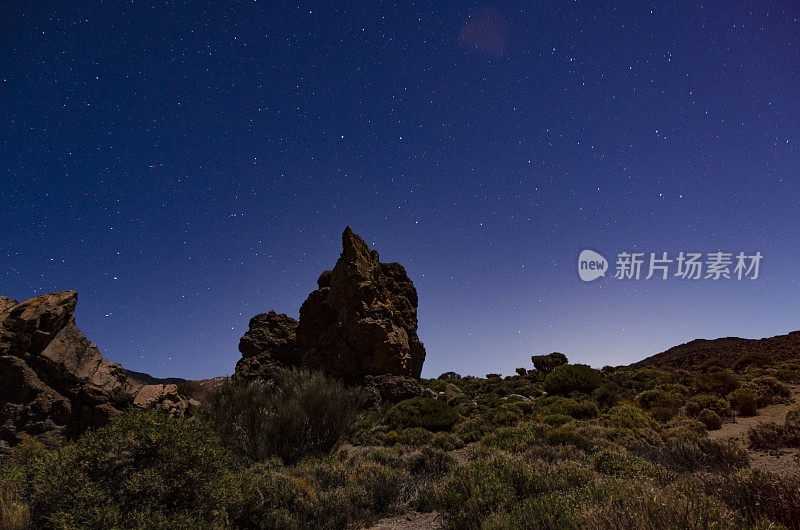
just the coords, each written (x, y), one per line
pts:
(185, 166)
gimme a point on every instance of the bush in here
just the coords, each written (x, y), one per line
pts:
(710, 419)
(744, 401)
(658, 398)
(521, 371)
(185, 390)
(628, 417)
(710, 402)
(450, 375)
(427, 413)
(571, 378)
(759, 360)
(766, 435)
(142, 469)
(301, 413)
(545, 364)
(759, 496)
(721, 383)
(769, 390)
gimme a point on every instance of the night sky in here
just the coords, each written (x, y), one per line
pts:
(184, 166)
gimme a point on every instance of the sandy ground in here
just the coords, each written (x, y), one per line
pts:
(410, 521)
(784, 461)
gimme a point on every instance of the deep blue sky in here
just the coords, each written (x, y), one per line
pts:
(185, 166)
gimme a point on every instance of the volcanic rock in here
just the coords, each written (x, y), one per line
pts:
(391, 388)
(53, 381)
(363, 318)
(267, 345)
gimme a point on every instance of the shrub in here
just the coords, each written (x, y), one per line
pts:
(449, 375)
(301, 413)
(628, 417)
(521, 371)
(659, 398)
(472, 430)
(545, 364)
(757, 359)
(766, 435)
(185, 390)
(759, 496)
(430, 461)
(621, 464)
(710, 402)
(769, 390)
(607, 395)
(686, 455)
(710, 419)
(744, 401)
(571, 378)
(721, 383)
(662, 414)
(142, 468)
(430, 414)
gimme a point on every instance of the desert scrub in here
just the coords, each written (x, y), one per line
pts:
(570, 378)
(744, 402)
(659, 398)
(710, 419)
(430, 414)
(143, 468)
(690, 456)
(769, 390)
(299, 413)
(721, 382)
(627, 417)
(482, 487)
(622, 464)
(767, 435)
(758, 497)
(584, 409)
(708, 401)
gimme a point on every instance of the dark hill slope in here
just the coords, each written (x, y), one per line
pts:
(725, 350)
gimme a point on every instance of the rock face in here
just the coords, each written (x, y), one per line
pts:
(53, 381)
(363, 318)
(269, 343)
(361, 321)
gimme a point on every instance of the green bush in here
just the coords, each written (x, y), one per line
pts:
(621, 464)
(185, 390)
(769, 390)
(431, 414)
(758, 497)
(659, 398)
(710, 402)
(744, 401)
(571, 378)
(710, 419)
(756, 359)
(300, 413)
(142, 469)
(721, 383)
(545, 364)
(628, 417)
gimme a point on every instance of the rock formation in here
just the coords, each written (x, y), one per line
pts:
(362, 320)
(268, 344)
(53, 381)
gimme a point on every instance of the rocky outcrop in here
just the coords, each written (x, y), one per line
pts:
(268, 344)
(164, 397)
(362, 320)
(53, 381)
(391, 388)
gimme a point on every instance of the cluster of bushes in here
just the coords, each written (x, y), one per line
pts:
(619, 447)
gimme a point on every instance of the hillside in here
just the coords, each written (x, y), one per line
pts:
(725, 350)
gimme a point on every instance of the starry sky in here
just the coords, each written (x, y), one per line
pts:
(186, 165)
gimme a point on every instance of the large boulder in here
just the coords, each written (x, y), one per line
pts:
(362, 320)
(267, 345)
(53, 381)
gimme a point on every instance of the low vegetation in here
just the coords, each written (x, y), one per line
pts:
(556, 446)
